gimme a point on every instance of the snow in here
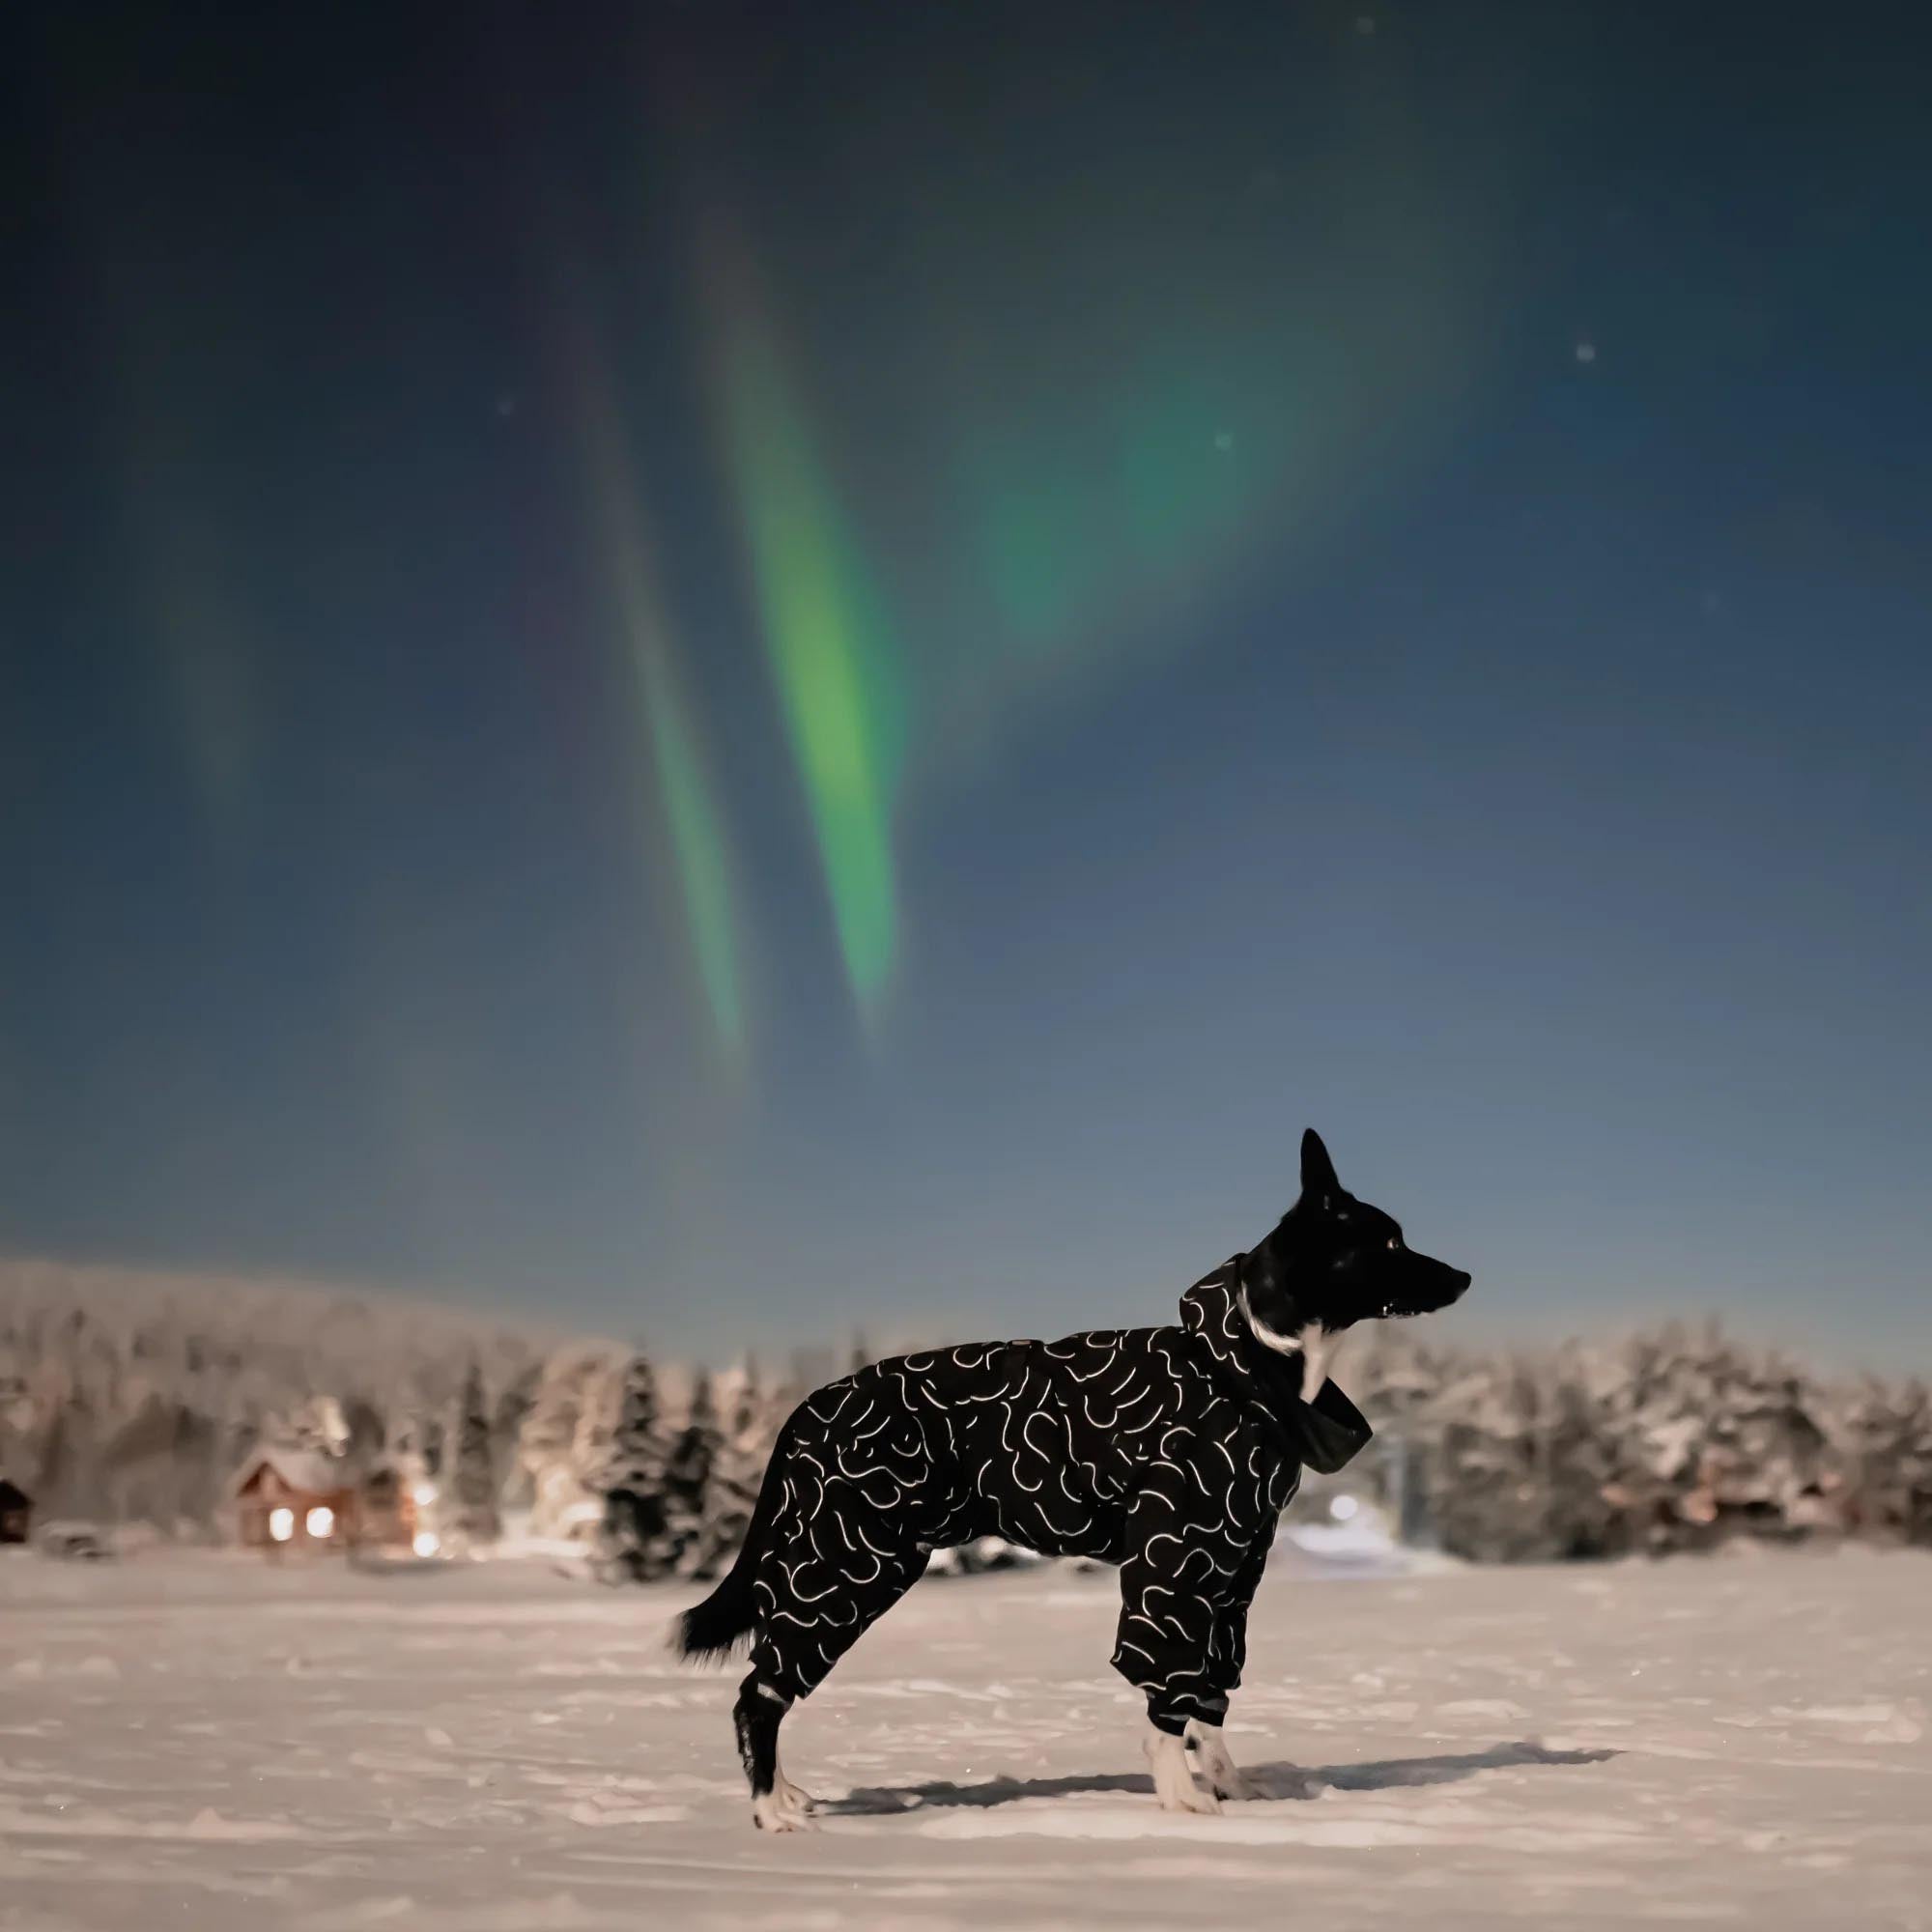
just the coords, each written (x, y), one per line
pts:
(218, 1742)
(307, 1470)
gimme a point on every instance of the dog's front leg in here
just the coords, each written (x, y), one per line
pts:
(1172, 1766)
(1220, 1773)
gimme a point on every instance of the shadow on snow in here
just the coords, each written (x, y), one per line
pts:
(1274, 1782)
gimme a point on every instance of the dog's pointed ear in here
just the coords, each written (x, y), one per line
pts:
(1319, 1184)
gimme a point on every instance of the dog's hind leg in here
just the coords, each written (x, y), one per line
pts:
(816, 1611)
(776, 1803)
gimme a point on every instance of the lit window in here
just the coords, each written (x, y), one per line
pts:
(423, 1495)
(427, 1542)
(321, 1522)
(1343, 1508)
(281, 1525)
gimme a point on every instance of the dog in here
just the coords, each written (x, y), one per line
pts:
(1170, 1451)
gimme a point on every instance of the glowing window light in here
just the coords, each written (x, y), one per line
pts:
(281, 1525)
(423, 1495)
(319, 1522)
(427, 1542)
(1343, 1508)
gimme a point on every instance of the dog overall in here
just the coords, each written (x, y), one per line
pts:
(1170, 1451)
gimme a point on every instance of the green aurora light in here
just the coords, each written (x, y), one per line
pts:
(699, 846)
(826, 642)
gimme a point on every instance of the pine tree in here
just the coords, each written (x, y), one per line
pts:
(1884, 1436)
(564, 1441)
(1580, 1462)
(750, 1405)
(515, 1490)
(633, 1542)
(737, 1471)
(687, 1476)
(472, 1474)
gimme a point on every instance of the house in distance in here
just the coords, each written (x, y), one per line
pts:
(293, 1499)
(302, 1501)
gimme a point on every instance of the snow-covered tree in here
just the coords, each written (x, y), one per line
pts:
(473, 1475)
(688, 1469)
(565, 1440)
(633, 1539)
(754, 1414)
(516, 1491)
(1885, 1438)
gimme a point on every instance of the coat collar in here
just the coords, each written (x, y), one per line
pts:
(1326, 1434)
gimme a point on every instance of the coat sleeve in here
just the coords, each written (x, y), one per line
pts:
(1181, 1567)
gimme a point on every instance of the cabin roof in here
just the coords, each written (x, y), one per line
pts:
(305, 1471)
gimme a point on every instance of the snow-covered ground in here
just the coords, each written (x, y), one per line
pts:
(218, 1744)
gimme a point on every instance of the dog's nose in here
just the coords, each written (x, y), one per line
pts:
(1461, 1280)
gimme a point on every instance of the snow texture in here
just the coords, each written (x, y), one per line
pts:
(206, 1740)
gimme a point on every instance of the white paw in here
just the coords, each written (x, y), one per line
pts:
(1218, 1770)
(1191, 1797)
(785, 1808)
(1215, 1767)
(1187, 1795)
(1175, 1784)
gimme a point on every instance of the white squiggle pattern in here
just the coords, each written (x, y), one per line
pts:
(1152, 1448)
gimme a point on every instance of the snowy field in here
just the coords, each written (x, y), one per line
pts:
(216, 1744)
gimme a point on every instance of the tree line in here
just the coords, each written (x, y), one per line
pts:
(125, 1399)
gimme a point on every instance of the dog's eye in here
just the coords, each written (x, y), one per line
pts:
(1395, 1240)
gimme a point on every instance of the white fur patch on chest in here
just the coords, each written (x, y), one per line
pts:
(1316, 1345)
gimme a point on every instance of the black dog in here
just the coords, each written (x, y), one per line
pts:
(1168, 1451)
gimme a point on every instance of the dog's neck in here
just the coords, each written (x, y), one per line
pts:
(1317, 1347)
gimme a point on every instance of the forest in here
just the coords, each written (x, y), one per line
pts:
(132, 1400)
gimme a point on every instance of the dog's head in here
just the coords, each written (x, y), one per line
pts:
(1333, 1260)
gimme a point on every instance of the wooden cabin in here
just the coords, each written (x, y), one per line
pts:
(16, 1512)
(293, 1501)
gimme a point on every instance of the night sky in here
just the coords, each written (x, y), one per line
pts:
(731, 673)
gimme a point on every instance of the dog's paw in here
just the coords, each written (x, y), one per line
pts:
(785, 1808)
(1175, 1784)
(1189, 1796)
(1208, 1753)
(769, 1816)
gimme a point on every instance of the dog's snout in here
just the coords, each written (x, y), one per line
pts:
(1459, 1280)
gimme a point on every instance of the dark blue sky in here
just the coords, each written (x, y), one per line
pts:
(1512, 760)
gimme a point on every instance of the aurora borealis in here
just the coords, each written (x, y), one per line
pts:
(723, 670)
(1068, 435)
(827, 637)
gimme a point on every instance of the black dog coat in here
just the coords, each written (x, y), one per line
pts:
(1168, 1451)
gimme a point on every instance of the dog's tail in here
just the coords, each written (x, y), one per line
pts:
(710, 1631)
